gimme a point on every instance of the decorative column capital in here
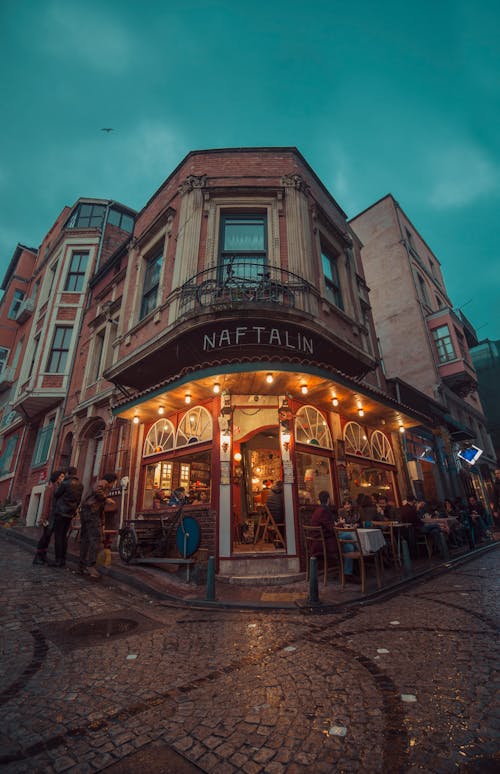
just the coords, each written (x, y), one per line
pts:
(295, 181)
(191, 182)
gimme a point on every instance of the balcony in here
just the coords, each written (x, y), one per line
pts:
(25, 310)
(459, 376)
(7, 378)
(246, 285)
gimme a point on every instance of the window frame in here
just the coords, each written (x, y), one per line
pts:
(254, 258)
(58, 355)
(94, 218)
(7, 454)
(17, 299)
(43, 443)
(333, 287)
(443, 344)
(75, 274)
(152, 271)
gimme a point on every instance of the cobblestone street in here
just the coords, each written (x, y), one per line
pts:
(96, 675)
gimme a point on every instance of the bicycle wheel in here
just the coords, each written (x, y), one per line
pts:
(128, 545)
(206, 293)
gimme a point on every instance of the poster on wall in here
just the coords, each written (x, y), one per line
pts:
(287, 473)
(225, 477)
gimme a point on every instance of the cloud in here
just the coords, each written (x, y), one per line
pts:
(459, 175)
(88, 36)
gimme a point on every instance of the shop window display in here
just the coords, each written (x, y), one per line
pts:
(313, 476)
(192, 473)
(369, 480)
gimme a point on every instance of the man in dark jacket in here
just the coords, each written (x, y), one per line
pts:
(91, 520)
(66, 501)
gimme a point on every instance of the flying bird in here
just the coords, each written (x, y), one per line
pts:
(107, 129)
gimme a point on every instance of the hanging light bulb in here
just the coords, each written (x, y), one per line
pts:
(187, 398)
(335, 401)
(303, 389)
(161, 410)
(361, 413)
(401, 427)
(135, 419)
(216, 388)
(269, 378)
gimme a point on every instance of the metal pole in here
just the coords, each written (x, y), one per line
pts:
(211, 579)
(406, 557)
(313, 581)
(445, 554)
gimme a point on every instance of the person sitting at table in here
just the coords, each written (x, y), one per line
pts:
(348, 514)
(324, 516)
(348, 547)
(458, 531)
(385, 511)
(368, 510)
(477, 514)
(178, 497)
(410, 515)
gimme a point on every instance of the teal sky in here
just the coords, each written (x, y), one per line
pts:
(378, 96)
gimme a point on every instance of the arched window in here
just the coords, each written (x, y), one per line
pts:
(356, 441)
(311, 428)
(381, 448)
(160, 437)
(194, 427)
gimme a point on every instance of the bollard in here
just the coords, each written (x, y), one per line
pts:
(313, 598)
(211, 579)
(407, 568)
(443, 545)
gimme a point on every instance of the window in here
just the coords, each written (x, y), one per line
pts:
(243, 244)
(356, 440)
(98, 354)
(120, 219)
(462, 346)
(87, 216)
(311, 428)
(59, 351)
(53, 270)
(444, 344)
(4, 354)
(422, 289)
(151, 285)
(42, 444)
(194, 427)
(160, 437)
(16, 303)
(8, 454)
(33, 357)
(76, 273)
(332, 281)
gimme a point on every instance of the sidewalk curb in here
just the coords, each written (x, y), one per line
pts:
(321, 608)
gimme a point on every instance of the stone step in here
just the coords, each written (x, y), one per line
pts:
(261, 580)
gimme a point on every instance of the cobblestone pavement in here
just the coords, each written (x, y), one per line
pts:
(95, 675)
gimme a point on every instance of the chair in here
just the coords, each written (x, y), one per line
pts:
(348, 536)
(424, 540)
(313, 536)
(267, 525)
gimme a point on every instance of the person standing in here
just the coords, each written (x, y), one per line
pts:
(47, 519)
(324, 516)
(66, 501)
(91, 520)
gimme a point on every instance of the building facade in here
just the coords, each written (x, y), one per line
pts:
(486, 359)
(426, 342)
(221, 339)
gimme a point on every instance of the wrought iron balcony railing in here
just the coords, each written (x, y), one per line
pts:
(241, 283)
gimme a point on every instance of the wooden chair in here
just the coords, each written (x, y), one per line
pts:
(268, 527)
(348, 536)
(424, 540)
(314, 535)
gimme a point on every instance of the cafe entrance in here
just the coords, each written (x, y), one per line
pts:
(258, 468)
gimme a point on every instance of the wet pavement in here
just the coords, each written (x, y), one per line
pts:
(102, 676)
